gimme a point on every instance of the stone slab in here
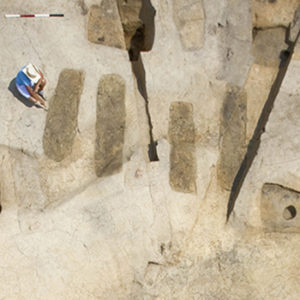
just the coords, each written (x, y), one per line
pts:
(280, 208)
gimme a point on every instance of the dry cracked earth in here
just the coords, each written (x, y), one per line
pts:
(167, 164)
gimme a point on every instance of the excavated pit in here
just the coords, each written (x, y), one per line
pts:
(189, 18)
(182, 176)
(110, 125)
(104, 26)
(61, 122)
(233, 135)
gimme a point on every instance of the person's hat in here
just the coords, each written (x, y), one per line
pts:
(32, 72)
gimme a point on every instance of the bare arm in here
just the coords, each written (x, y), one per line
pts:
(42, 75)
(36, 87)
(41, 83)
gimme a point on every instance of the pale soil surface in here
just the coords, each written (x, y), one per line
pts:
(162, 115)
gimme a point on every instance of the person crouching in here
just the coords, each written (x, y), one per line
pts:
(30, 83)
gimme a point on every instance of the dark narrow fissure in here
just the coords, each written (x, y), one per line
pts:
(143, 40)
(260, 127)
(140, 75)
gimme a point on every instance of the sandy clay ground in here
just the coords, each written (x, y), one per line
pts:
(165, 118)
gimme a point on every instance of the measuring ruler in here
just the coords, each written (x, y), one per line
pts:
(34, 16)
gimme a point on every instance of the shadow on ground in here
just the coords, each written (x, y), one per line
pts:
(12, 88)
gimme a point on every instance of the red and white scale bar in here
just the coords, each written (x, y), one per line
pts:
(34, 16)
